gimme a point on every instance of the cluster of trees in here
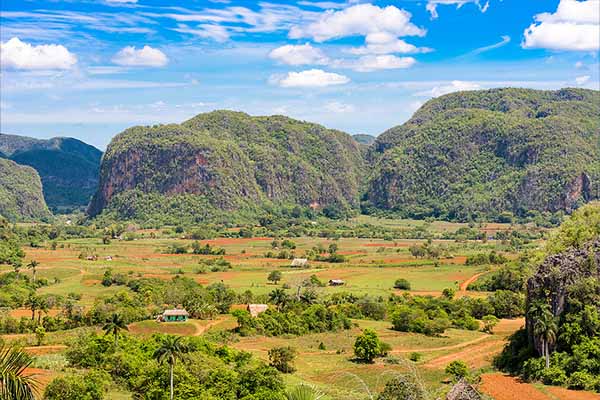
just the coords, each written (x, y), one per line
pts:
(196, 248)
(561, 346)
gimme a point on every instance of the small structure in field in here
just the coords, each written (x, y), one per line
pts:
(92, 258)
(300, 262)
(174, 315)
(336, 282)
(108, 258)
(255, 309)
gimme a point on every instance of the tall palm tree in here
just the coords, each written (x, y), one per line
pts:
(15, 384)
(303, 392)
(33, 267)
(171, 348)
(279, 297)
(544, 327)
(114, 326)
(34, 302)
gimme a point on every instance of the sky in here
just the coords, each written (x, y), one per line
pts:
(90, 69)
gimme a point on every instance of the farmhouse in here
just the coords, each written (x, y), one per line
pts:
(174, 315)
(300, 262)
(255, 309)
(336, 282)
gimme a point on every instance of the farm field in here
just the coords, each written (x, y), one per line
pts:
(371, 267)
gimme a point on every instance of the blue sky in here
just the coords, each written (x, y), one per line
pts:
(90, 69)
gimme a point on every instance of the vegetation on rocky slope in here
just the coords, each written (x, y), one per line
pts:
(67, 167)
(21, 195)
(490, 154)
(227, 160)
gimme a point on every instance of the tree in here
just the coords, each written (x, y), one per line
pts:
(114, 326)
(367, 346)
(33, 267)
(33, 302)
(171, 348)
(489, 322)
(303, 392)
(281, 358)
(280, 298)
(458, 369)
(40, 334)
(448, 293)
(14, 383)
(544, 327)
(274, 276)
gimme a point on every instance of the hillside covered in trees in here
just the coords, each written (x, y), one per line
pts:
(67, 167)
(490, 154)
(21, 195)
(227, 160)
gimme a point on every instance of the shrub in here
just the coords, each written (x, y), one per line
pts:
(367, 346)
(582, 380)
(402, 284)
(554, 376)
(458, 369)
(415, 356)
(281, 358)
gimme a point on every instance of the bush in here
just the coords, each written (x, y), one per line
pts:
(402, 284)
(415, 357)
(367, 346)
(554, 376)
(281, 358)
(458, 369)
(582, 380)
(402, 387)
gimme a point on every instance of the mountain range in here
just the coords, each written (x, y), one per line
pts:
(490, 154)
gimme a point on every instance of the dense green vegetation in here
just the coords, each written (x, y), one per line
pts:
(494, 154)
(228, 160)
(21, 197)
(67, 167)
(561, 342)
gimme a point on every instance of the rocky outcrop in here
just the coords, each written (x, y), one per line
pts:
(21, 197)
(480, 154)
(234, 161)
(556, 275)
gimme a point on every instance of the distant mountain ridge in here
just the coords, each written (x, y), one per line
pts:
(226, 161)
(67, 167)
(490, 154)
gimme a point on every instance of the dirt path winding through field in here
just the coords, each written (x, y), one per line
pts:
(463, 286)
(200, 329)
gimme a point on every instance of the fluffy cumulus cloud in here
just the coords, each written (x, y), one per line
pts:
(358, 20)
(145, 57)
(433, 4)
(339, 107)
(304, 54)
(386, 43)
(454, 86)
(21, 55)
(310, 78)
(380, 62)
(575, 26)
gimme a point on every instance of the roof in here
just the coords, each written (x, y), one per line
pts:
(299, 261)
(336, 281)
(256, 309)
(176, 312)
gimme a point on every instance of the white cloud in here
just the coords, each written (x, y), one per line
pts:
(322, 4)
(21, 55)
(432, 5)
(380, 62)
(454, 86)
(575, 26)
(121, 1)
(208, 31)
(340, 108)
(581, 80)
(505, 40)
(579, 65)
(310, 78)
(299, 55)
(386, 43)
(361, 19)
(144, 57)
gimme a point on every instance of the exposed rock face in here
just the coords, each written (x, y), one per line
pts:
(233, 160)
(556, 275)
(480, 153)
